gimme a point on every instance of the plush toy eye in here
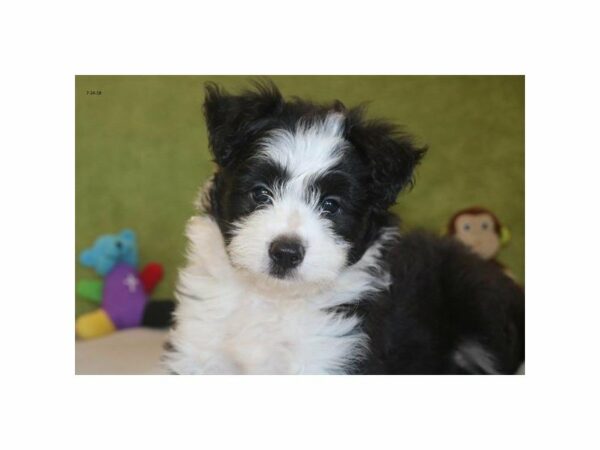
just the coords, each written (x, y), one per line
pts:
(330, 205)
(485, 225)
(261, 195)
(466, 227)
(119, 245)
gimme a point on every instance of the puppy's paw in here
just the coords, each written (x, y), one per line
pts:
(206, 253)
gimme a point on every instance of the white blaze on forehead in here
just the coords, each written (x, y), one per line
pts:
(310, 149)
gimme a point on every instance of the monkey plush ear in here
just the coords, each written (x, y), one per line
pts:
(392, 157)
(504, 236)
(234, 120)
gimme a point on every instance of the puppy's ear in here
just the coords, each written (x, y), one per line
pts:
(391, 155)
(234, 120)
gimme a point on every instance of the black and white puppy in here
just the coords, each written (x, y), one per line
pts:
(297, 267)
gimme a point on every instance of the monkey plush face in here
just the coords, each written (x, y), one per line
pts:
(479, 231)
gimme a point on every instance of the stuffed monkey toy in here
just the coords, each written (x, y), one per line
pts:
(480, 230)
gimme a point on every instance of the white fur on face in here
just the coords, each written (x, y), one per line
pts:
(305, 154)
(310, 150)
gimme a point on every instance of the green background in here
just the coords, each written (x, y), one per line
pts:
(141, 153)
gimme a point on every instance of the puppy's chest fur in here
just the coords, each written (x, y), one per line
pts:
(228, 323)
(244, 332)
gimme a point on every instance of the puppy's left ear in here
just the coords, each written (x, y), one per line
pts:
(391, 154)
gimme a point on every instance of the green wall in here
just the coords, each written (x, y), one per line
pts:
(141, 152)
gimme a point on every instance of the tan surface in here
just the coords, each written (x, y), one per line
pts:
(135, 351)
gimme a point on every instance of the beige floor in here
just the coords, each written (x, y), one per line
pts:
(128, 352)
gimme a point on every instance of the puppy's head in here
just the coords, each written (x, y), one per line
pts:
(300, 188)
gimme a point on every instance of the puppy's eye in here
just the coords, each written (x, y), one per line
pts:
(484, 225)
(261, 195)
(466, 227)
(330, 205)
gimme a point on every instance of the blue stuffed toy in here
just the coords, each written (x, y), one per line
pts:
(109, 250)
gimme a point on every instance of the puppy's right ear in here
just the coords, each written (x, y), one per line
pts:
(233, 121)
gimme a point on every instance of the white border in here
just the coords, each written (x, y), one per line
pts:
(46, 43)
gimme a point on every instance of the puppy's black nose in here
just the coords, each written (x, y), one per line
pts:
(286, 252)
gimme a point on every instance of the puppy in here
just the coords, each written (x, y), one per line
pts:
(296, 266)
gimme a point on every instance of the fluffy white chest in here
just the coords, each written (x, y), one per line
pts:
(228, 324)
(253, 335)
